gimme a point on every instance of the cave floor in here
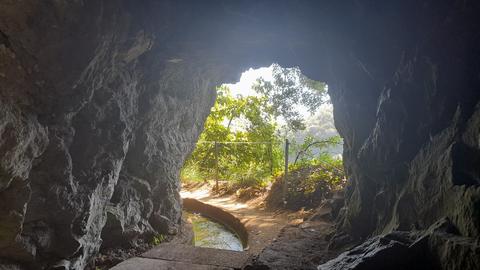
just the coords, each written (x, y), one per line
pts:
(262, 226)
(278, 230)
(185, 257)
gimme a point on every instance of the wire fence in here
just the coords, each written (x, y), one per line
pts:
(248, 161)
(223, 160)
(222, 156)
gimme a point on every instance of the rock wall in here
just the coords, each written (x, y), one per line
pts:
(411, 130)
(412, 155)
(96, 121)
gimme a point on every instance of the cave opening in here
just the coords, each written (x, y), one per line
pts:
(242, 149)
(269, 146)
(244, 136)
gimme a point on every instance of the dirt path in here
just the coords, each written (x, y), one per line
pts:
(263, 226)
(276, 241)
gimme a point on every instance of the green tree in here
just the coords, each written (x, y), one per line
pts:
(249, 160)
(233, 159)
(289, 88)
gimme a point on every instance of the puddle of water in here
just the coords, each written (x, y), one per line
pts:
(211, 234)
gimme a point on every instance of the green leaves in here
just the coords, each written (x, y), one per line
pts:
(234, 119)
(288, 89)
(253, 111)
(250, 121)
(158, 239)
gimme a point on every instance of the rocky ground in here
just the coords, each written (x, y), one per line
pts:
(280, 239)
(307, 243)
(263, 226)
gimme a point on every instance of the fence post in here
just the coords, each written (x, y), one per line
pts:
(216, 166)
(285, 176)
(271, 157)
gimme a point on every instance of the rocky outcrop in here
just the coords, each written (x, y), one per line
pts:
(95, 125)
(403, 78)
(410, 146)
(432, 249)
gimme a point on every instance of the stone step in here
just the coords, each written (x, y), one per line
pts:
(180, 256)
(138, 263)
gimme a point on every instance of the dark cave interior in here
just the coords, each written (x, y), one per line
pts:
(101, 102)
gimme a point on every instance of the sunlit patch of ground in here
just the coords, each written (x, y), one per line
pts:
(263, 226)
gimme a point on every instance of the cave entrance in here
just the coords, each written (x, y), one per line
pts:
(241, 150)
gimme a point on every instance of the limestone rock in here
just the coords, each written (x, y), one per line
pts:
(92, 131)
(432, 249)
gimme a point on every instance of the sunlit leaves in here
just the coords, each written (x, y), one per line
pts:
(252, 160)
(234, 159)
(288, 89)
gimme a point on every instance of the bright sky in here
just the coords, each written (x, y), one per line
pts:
(244, 86)
(248, 78)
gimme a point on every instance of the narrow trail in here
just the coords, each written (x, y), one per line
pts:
(284, 241)
(263, 226)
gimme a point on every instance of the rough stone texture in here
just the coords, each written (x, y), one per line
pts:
(151, 264)
(413, 156)
(297, 248)
(305, 245)
(432, 249)
(94, 128)
(101, 101)
(381, 252)
(411, 144)
(198, 255)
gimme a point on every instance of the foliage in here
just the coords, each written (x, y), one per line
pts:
(289, 88)
(252, 176)
(241, 143)
(305, 152)
(327, 169)
(158, 239)
(241, 161)
(309, 183)
(192, 173)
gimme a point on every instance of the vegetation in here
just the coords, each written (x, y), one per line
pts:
(312, 181)
(158, 239)
(242, 142)
(226, 152)
(289, 88)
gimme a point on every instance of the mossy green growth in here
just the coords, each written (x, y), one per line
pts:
(158, 239)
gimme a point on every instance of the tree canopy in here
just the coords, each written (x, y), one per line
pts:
(289, 89)
(241, 138)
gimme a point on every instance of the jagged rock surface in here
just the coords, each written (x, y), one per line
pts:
(411, 146)
(432, 249)
(95, 126)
